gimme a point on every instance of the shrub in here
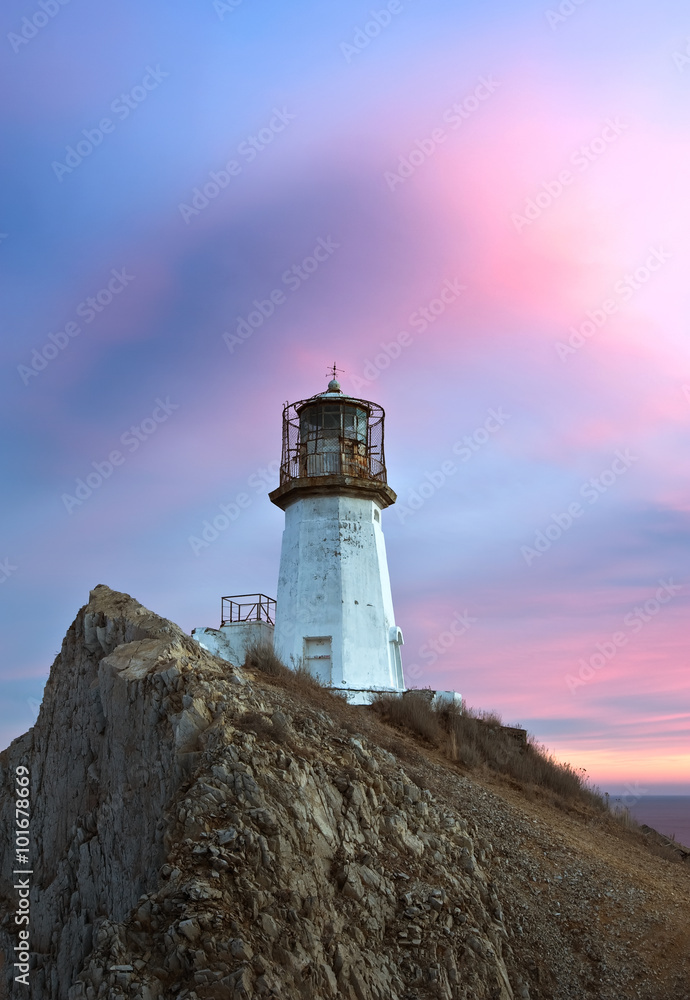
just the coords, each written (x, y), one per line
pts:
(260, 656)
(413, 713)
(306, 681)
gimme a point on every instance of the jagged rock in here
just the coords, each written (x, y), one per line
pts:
(200, 832)
(190, 929)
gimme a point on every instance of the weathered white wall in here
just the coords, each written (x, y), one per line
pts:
(231, 641)
(447, 698)
(334, 582)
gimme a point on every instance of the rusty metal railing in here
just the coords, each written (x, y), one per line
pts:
(247, 608)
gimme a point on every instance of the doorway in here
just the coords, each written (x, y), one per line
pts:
(318, 660)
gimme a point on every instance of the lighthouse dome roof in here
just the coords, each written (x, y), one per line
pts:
(333, 393)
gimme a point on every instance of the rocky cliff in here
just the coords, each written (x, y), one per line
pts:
(201, 831)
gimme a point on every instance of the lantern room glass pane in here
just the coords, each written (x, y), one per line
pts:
(355, 423)
(330, 416)
(333, 420)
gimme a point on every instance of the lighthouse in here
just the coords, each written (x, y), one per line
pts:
(334, 609)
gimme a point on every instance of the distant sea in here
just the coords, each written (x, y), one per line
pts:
(669, 814)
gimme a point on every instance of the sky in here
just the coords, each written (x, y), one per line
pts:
(497, 197)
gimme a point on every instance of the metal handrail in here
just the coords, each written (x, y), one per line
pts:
(259, 608)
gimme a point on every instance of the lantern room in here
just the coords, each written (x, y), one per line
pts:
(332, 440)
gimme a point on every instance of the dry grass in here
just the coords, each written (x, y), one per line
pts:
(476, 739)
(412, 714)
(261, 657)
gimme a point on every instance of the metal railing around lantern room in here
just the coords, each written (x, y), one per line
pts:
(327, 437)
(247, 608)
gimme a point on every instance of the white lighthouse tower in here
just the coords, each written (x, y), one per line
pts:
(334, 612)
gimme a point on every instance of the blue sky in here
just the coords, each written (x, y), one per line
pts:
(335, 126)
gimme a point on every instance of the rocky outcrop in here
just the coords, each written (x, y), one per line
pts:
(200, 832)
(106, 757)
